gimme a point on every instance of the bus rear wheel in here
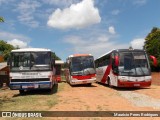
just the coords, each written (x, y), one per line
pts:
(89, 84)
(22, 92)
(109, 82)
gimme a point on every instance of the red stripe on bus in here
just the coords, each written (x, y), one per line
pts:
(83, 77)
(133, 84)
(104, 79)
(58, 78)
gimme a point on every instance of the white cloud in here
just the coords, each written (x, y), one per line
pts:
(111, 30)
(95, 44)
(115, 12)
(19, 43)
(60, 2)
(27, 9)
(137, 43)
(139, 2)
(16, 39)
(77, 15)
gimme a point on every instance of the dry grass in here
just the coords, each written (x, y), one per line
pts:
(39, 100)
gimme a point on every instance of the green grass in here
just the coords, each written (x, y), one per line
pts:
(11, 100)
(41, 100)
(28, 102)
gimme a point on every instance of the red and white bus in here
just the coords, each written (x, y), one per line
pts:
(81, 69)
(124, 68)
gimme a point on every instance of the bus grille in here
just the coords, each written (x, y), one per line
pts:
(30, 80)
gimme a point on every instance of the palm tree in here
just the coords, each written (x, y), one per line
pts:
(1, 19)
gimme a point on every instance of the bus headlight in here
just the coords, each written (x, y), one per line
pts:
(123, 80)
(44, 86)
(147, 80)
(15, 86)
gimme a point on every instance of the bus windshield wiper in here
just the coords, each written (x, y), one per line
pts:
(77, 73)
(141, 69)
(87, 71)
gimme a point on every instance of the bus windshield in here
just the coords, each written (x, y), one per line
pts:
(22, 61)
(83, 65)
(133, 64)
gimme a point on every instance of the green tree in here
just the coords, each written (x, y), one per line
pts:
(55, 56)
(152, 44)
(5, 48)
(1, 19)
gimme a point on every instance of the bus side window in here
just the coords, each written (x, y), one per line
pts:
(114, 67)
(96, 63)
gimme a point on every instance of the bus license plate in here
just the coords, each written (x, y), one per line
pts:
(137, 85)
(84, 81)
(30, 86)
(36, 85)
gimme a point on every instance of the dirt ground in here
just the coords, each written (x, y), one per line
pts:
(99, 97)
(156, 78)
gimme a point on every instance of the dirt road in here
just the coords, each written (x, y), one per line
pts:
(102, 98)
(97, 97)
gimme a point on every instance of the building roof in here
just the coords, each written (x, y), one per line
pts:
(59, 62)
(2, 65)
(79, 55)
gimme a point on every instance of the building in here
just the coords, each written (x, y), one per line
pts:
(4, 74)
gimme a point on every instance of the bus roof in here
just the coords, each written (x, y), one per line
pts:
(120, 50)
(31, 50)
(78, 55)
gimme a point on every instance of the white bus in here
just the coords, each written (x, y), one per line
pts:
(81, 69)
(31, 68)
(124, 68)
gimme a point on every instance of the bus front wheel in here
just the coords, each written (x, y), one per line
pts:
(109, 82)
(89, 84)
(21, 92)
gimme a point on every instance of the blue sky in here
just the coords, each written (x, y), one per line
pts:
(78, 26)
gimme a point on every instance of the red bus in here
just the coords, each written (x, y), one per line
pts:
(81, 69)
(124, 68)
(58, 67)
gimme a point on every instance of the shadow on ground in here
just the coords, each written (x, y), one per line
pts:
(39, 92)
(123, 88)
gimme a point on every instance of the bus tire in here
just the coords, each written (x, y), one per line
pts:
(89, 84)
(22, 92)
(55, 82)
(109, 82)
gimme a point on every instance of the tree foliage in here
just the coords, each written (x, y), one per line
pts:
(55, 56)
(1, 19)
(5, 48)
(152, 44)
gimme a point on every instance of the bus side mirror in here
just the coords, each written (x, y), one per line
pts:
(116, 61)
(155, 63)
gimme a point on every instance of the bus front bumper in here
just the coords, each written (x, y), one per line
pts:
(30, 85)
(134, 84)
(86, 81)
